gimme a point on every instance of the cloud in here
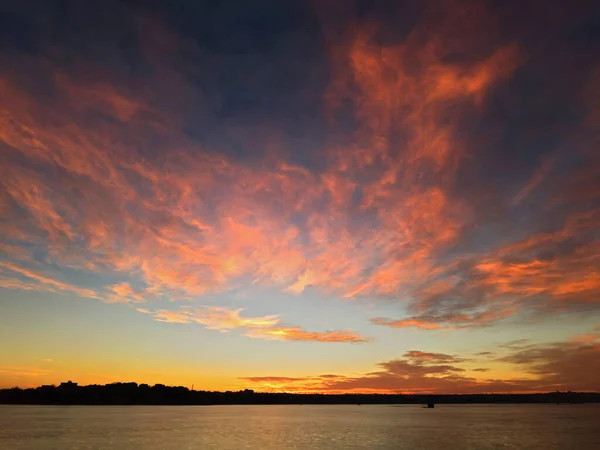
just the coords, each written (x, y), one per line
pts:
(30, 279)
(124, 293)
(472, 317)
(542, 367)
(40, 281)
(262, 327)
(536, 179)
(114, 170)
(407, 323)
(290, 384)
(400, 375)
(417, 355)
(274, 379)
(247, 235)
(537, 276)
(517, 344)
(298, 334)
(215, 318)
(568, 365)
(163, 315)
(23, 371)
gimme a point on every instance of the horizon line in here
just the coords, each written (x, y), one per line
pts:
(71, 384)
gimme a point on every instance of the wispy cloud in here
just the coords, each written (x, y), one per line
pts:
(534, 181)
(124, 293)
(402, 199)
(417, 355)
(263, 327)
(213, 317)
(288, 333)
(39, 281)
(23, 371)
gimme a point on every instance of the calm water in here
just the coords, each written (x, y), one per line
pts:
(301, 427)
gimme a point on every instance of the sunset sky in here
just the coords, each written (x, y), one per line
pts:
(328, 196)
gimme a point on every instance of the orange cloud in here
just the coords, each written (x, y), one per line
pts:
(285, 333)
(563, 366)
(406, 323)
(105, 178)
(164, 315)
(541, 274)
(124, 293)
(247, 236)
(263, 327)
(563, 266)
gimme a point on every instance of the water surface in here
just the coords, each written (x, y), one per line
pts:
(301, 427)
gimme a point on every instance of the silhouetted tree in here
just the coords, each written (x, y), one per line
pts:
(70, 393)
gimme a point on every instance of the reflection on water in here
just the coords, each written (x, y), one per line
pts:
(301, 427)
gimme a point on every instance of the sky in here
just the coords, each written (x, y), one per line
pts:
(332, 196)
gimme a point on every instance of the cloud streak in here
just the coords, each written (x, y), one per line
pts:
(37, 281)
(263, 327)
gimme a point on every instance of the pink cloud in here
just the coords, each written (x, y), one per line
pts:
(378, 219)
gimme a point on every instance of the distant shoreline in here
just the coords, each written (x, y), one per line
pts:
(134, 394)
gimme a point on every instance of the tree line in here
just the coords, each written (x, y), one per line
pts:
(133, 394)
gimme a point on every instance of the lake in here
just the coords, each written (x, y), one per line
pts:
(301, 427)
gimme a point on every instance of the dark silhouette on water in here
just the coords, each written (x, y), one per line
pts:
(430, 405)
(70, 393)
